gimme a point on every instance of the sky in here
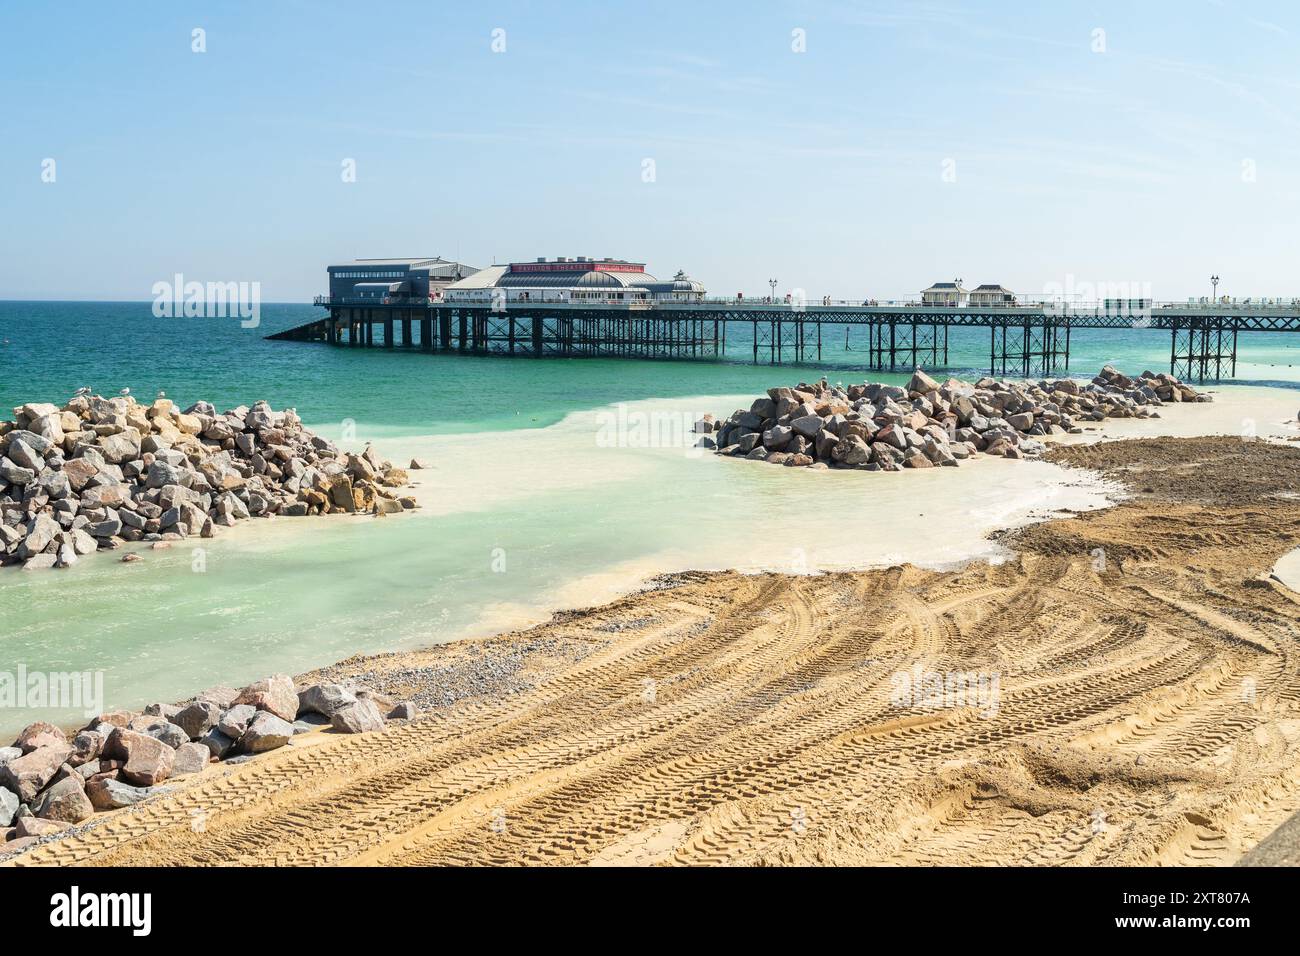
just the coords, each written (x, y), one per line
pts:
(844, 149)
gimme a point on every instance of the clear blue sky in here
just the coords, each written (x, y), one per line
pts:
(823, 169)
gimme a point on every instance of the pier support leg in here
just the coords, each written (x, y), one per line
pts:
(426, 332)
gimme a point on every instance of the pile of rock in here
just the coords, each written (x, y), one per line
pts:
(51, 781)
(879, 427)
(100, 472)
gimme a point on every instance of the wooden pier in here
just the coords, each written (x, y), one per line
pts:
(1023, 340)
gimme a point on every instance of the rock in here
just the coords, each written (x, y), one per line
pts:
(222, 696)
(25, 456)
(922, 383)
(197, 718)
(147, 761)
(14, 473)
(777, 437)
(39, 734)
(808, 425)
(306, 723)
(66, 801)
(324, 699)
(218, 744)
(78, 471)
(29, 774)
(9, 753)
(86, 746)
(234, 722)
(170, 734)
(275, 694)
(40, 534)
(404, 711)
(115, 718)
(34, 826)
(124, 446)
(105, 793)
(9, 804)
(265, 732)
(357, 718)
(143, 723)
(341, 493)
(417, 464)
(190, 758)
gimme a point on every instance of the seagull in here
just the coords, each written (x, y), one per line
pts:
(84, 390)
(161, 393)
(125, 391)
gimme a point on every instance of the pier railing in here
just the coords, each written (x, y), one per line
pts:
(1250, 306)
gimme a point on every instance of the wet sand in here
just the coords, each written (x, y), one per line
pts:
(1145, 710)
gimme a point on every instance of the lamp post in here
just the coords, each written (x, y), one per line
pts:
(1214, 282)
(773, 283)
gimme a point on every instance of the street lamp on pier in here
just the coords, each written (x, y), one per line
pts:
(1214, 282)
(773, 283)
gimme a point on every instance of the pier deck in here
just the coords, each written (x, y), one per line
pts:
(1024, 340)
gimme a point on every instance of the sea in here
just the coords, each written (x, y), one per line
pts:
(552, 483)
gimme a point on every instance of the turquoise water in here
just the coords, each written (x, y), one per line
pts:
(49, 349)
(525, 510)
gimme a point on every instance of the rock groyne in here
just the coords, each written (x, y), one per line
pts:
(877, 427)
(98, 473)
(51, 781)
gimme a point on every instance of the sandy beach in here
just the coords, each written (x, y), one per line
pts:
(1146, 681)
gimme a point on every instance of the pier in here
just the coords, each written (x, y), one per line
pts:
(1024, 340)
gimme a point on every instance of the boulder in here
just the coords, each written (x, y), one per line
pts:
(65, 801)
(234, 722)
(29, 774)
(808, 425)
(34, 826)
(921, 383)
(147, 761)
(275, 694)
(265, 732)
(221, 695)
(218, 744)
(777, 437)
(197, 718)
(86, 746)
(357, 718)
(324, 699)
(170, 734)
(124, 446)
(9, 804)
(39, 734)
(106, 793)
(404, 711)
(190, 758)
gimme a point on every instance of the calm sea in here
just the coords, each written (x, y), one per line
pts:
(528, 507)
